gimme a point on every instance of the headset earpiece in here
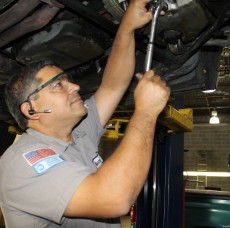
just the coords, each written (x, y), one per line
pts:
(31, 112)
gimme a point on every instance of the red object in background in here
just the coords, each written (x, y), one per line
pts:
(133, 214)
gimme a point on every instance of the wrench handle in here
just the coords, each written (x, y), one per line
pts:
(150, 46)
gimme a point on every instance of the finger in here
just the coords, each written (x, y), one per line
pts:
(162, 13)
(139, 76)
(150, 73)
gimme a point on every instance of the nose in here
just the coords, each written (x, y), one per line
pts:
(72, 87)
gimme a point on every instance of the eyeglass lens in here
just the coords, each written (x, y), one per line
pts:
(60, 85)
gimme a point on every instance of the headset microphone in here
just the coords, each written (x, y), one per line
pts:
(32, 111)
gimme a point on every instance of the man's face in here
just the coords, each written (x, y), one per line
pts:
(61, 96)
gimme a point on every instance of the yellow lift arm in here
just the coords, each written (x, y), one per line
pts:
(180, 120)
(176, 121)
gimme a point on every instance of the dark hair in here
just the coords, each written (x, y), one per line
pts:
(20, 86)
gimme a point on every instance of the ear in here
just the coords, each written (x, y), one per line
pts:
(25, 107)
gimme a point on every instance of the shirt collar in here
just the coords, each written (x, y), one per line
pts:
(49, 139)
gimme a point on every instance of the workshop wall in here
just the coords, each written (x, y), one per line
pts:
(207, 148)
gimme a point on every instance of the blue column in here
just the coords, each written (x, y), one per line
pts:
(170, 181)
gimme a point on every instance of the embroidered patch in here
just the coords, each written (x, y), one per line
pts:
(98, 160)
(42, 159)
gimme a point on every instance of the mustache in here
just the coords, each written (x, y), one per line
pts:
(74, 97)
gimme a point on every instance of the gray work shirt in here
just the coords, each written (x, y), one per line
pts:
(39, 174)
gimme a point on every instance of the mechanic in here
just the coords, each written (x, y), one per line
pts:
(53, 176)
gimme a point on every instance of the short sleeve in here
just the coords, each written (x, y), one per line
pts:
(45, 195)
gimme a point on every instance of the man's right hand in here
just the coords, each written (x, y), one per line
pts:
(151, 94)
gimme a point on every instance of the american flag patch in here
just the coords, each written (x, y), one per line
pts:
(34, 156)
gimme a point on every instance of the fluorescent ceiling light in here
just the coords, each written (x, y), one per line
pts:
(207, 174)
(209, 91)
